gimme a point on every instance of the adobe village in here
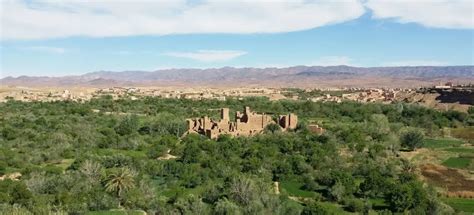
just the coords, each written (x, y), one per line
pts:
(246, 124)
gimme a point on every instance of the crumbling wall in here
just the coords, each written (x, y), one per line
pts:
(246, 123)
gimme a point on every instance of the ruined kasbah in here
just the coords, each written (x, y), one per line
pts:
(247, 123)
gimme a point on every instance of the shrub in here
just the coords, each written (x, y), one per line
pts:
(314, 209)
(412, 139)
(272, 128)
(355, 205)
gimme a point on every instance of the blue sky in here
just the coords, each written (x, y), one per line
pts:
(370, 35)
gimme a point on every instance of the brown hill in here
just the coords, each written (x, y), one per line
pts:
(298, 76)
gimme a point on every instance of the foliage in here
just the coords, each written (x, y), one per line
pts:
(314, 209)
(412, 139)
(128, 125)
(75, 161)
(403, 197)
(272, 128)
(119, 180)
(294, 188)
(355, 205)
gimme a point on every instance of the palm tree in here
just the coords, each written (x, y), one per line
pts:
(120, 181)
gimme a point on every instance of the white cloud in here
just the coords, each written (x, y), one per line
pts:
(208, 55)
(49, 49)
(416, 63)
(52, 19)
(431, 13)
(22, 19)
(334, 61)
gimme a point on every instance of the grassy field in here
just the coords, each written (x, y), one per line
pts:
(457, 162)
(441, 143)
(464, 133)
(334, 208)
(460, 150)
(466, 205)
(294, 189)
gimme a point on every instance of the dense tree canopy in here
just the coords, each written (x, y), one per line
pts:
(74, 160)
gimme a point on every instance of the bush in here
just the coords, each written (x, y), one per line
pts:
(157, 151)
(224, 207)
(128, 125)
(471, 110)
(412, 139)
(310, 183)
(3, 167)
(314, 208)
(272, 128)
(355, 205)
(405, 196)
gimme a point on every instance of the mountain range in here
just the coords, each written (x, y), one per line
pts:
(297, 76)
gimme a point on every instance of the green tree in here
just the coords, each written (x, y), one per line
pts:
(119, 181)
(128, 125)
(242, 190)
(191, 153)
(15, 192)
(191, 205)
(355, 205)
(314, 209)
(273, 128)
(374, 184)
(92, 170)
(405, 196)
(471, 110)
(412, 139)
(337, 191)
(379, 126)
(226, 207)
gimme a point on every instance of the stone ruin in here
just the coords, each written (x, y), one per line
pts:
(314, 128)
(246, 124)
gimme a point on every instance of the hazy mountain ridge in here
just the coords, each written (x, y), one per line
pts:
(230, 76)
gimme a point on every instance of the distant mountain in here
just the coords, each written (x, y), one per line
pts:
(298, 76)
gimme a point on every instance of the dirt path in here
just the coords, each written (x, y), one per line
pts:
(167, 156)
(12, 176)
(276, 186)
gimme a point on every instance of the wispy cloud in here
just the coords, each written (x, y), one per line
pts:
(333, 61)
(208, 55)
(430, 13)
(53, 19)
(416, 63)
(48, 49)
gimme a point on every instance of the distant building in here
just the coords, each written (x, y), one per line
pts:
(246, 124)
(447, 85)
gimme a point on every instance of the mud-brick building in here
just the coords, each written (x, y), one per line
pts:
(246, 123)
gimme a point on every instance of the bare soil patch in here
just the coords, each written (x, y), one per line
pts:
(455, 183)
(167, 156)
(12, 176)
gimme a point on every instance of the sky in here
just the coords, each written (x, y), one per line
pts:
(72, 37)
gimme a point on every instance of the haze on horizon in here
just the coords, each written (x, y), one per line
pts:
(45, 38)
